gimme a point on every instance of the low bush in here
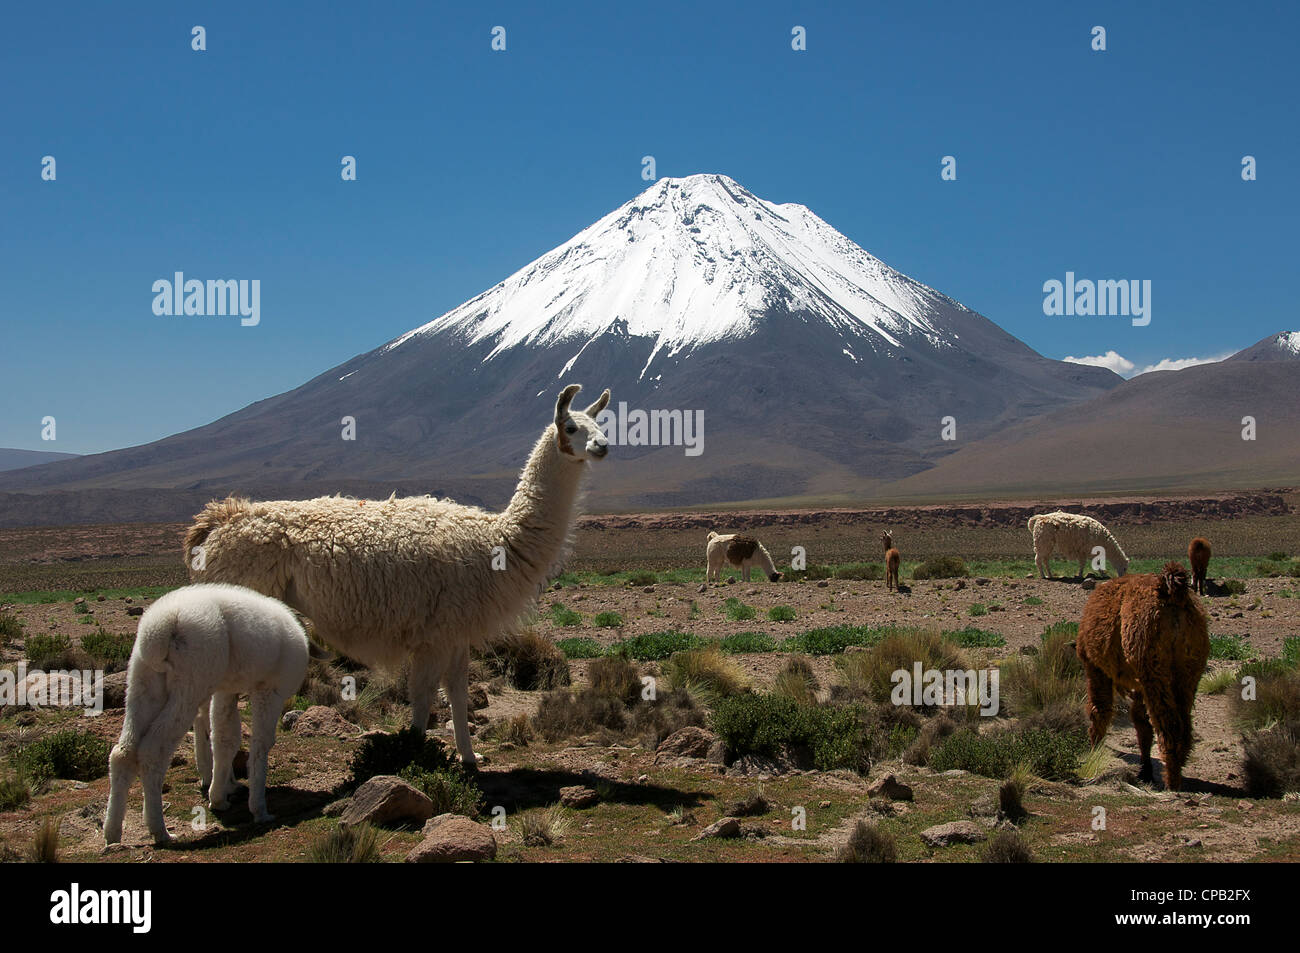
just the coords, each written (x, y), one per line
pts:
(67, 753)
(737, 611)
(110, 650)
(870, 674)
(1053, 676)
(655, 646)
(1271, 765)
(831, 737)
(527, 660)
(607, 620)
(581, 647)
(1229, 647)
(747, 642)
(704, 672)
(941, 567)
(1007, 847)
(868, 844)
(836, 638)
(781, 614)
(450, 790)
(796, 681)
(971, 637)
(391, 753)
(355, 844)
(996, 753)
(564, 617)
(11, 627)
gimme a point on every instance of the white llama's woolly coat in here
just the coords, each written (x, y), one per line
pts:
(741, 551)
(197, 648)
(1074, 537)
(418, 578)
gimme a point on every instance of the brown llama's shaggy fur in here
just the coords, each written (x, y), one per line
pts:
(1146, 635)
(892, 559)
(1198, 554)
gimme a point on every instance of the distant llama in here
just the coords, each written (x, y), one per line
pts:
(892, 559)
(416, 579)
(1198, 554)
(195, 650)
(739, 551)
(1146, 635)
(1075, 537)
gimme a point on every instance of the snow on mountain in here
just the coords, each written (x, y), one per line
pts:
(1276, 347)
(692, 261)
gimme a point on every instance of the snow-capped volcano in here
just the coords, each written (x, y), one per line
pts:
(815, 369)
(1276, 347)
(690, 262)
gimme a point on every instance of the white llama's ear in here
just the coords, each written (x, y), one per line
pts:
(599, 405)
(566, 398)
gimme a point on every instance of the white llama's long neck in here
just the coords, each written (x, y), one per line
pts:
(536, 525)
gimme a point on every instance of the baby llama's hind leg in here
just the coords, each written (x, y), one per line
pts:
(203, 744)
(123, 766)
(225, 744)
(155, 754)
(265, 709)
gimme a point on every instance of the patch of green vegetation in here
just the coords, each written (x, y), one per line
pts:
(995, 754)
(865, 571)
(450, 789)
(47, 651)
(11, 627)
(1229, 647)
(1033, 601)
(941, 567)
(108, 648)
(654, 646)
(770, 725)
(781, 614)
(1233, 587)
(50, 596)
(583, 647)
(978, 609)
(15, 791)
(836, 638)
(737, 611)
(705, 673)
(642, 578)
(564, 617)
(738, 643)
(607, 620)
(528, 660)
(391, 753)
(67, 753)
(355, 844)
(972, 638)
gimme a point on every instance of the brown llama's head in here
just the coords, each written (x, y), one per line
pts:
(887, 540)
(1173, 581)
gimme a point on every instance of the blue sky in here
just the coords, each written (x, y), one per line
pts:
(471, 163)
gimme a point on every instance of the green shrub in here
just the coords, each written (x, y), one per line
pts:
(1230, 647)
(996, 753)
(780, 614)
(1033, 601)
(868, 845)
(68, 753)
(391, 753)
(747, 642)
(836, 638)
(1234, 587)
(516, 731)
(653, 646)
(1277, 695)
(109, 649)
(1278, 556)
(1053, 676)
(865, 571)
(449, 789)
(1291, 651)
(11, 627)
(737, 611)
(797, 681)
(14, 791)
(563, 617)
(607, 620)
(49, 652)
(704, 672)
(771, 725)
(870, 674)
(941, 567)
(582, 647)
(642, 578)
(355, 844)
(1007, 847)
(971, 637)
(979, 608)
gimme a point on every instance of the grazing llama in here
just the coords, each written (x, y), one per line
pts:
(1146, 635)
(739, 551)
(195, 650)
(892, 559)
(416, 578)
(1075, 537)
(1198, 554)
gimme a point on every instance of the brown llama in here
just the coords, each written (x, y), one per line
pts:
(892, 560)
(1198, 554)
(1147, 635)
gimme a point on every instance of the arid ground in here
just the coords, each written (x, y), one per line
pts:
(651, 806)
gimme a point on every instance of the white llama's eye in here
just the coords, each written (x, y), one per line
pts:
(571, 429)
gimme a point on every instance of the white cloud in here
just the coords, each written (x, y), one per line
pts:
(1122, 366)
(1178, 363)
(1115, 362)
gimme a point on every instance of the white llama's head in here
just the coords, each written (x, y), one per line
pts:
(577, 435)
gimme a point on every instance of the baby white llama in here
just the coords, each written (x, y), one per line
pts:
(741, 551)
(1074, 537)
(197, 648)
(417, 578)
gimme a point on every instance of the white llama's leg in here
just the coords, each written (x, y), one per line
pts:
(123, 767)
(422, 685)
(225, 744)
(155, 755)
(265, 709)
(203, 744)
(457, 684)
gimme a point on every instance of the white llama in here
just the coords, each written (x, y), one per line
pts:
(740, 551)
(1074, 537)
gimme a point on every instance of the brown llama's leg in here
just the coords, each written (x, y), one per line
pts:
(1142, 724)
(1173, 727)
(1101, 702)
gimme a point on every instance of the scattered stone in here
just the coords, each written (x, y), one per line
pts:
(703, 587)
(648, 590)
(135, 610)
(384, 799)
(891, 788)
(101, 597)
(290, 718)
(450, 838)
(982, 580)
(723, 828)
(731, 580)
(1090, 583)
(115, 690)
(960, 584)
(578, 796)
(336, 808)
(478, 696)
(688, 742)
(822, 583)
(824, 804)
(320, 720)
(954, 832)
